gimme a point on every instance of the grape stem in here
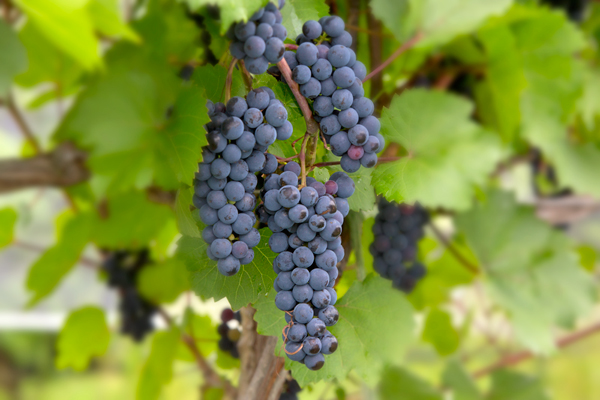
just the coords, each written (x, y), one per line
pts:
(381, 160)
(290, 46)
(513, 359)
(282, 160)
(410, 43)
(246, 76)
(229, 79)
(303, 159)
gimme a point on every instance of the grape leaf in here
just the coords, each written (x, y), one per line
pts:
(515, 386)
(447, 153)
(52, 266)
(530, 268)
(460, 382)
(185, 222)
(440, 332)
(13, 58)
(231, 10)
(297, 12)
(68, 26)
(360, 350)
(105, 17)
(438, 23)
(142, 218)
(158, 368)
(163, 282)
(245, 287)
(399, 384)
(83, 336)
(203, 330)
(8, 219)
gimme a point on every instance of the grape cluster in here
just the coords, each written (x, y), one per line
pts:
(122, 268)
(238, 136)
(291, 388)
(229, 336)
(398, 229)
(306, 224)
(328, 74)
(260, 40)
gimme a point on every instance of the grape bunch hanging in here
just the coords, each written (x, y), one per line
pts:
(238, 136)
(329, 75)
(230, 335)
(122, 268)
(398, 229)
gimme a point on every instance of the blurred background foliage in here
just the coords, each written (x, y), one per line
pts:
(496, 106)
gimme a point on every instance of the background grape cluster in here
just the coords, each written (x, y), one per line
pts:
(122, 268)
(230, 332)
(398, 229)
(307, 224)
(329, 75)
(260, 40)
(238, 136)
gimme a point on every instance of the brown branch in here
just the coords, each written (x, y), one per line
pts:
(212, 378)
(312, 127)
(402, 49)
(64, 166)
(303, 160)
(459, 257)
(262, 368)
(246, 347)
(513, 359)
(277, 380)
(246, 75)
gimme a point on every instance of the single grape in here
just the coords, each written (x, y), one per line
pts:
(329, 315)
(276, 115)
(247, 141)
(198, 202)
(311, 345)
(237, 106)
(321, 299)
(279, 32)
(268, 17)
(326, 261)
(359, 70)
(207, 235)
(288, 178)
(290, 58)
(221, 230)
(342, 99)
(284, 281)
(252, 238)
(334, 244)
(318, 245)
(237, 50)
(333, 26)
(345, 39)
(300, 276)
(331, 187)
(278, 242)
(201, 188)
(297, 333)
(320, 188)
(338, 56)
(294, 241)
(323, 106)
(329, 344)
(284, 261)
(216, 141)
(216, 199)
(363, 106)
(342, 206)
(293, 166)
(285, 131)
(317, 223)
(284, 300)
(282, 219)
(344, 77)
(369, 160)
(314, 363)
(328, 87)
(217, 184)
(243, 30)
(316, 327)
(322, 69)
(256, 161)
(220, 248)
(228, 266)
(264, 31)
(274, 50)
(312, 29)
(333, 295)
(340, 143)
(288, 196)
(298, 213)
(301, 74)
(239, 170)
(270, 165)
(228, 213)
(349, 165)
(330, 125)
(243, 224)
(253, 117)
(257, 65)
(232, 153)
(345, 187)
(332, 230)
(357, 89)
(254, 46)
(208, 215)
(258, 98)
(306, 54)
(348, 118)
(311, 89)
(247, 203)
(303, 313)
(265, 135)
(302, 293)
(270, 200)
(303, 257)
(294, 351)
(309, 196)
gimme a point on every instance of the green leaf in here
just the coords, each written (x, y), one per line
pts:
(231, 10)
(514, 386)
(163, 282)
(297, 12)
(530, 268)
(366, 304)
(83, 336)
(106, 18)
(185, 221)
(68, 26)
(158, 368)
(587, 257)
(440, 332)
(8, 219)
(460, 382)
(204, 332)
(13, 58)
(143, 220)
(245, 287)
(437, 22)
(399, 384)
(447, 153)
(57, 261)
(499, 94)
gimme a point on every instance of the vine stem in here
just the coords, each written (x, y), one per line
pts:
(290, 46)
(212, 378)
(246, 75)
(381, 160)
(312, 127)
(518, 357)
(410, 43)
(229, 79)
(463, 261)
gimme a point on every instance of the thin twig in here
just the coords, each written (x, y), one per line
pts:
(405, 47)
(246, 75)
(229, 80)
(472, 268)
(281, 159)
(290, 46)
(29, 136)
(303, 159)
(518, 357)
(311, 125)
(212, 378)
